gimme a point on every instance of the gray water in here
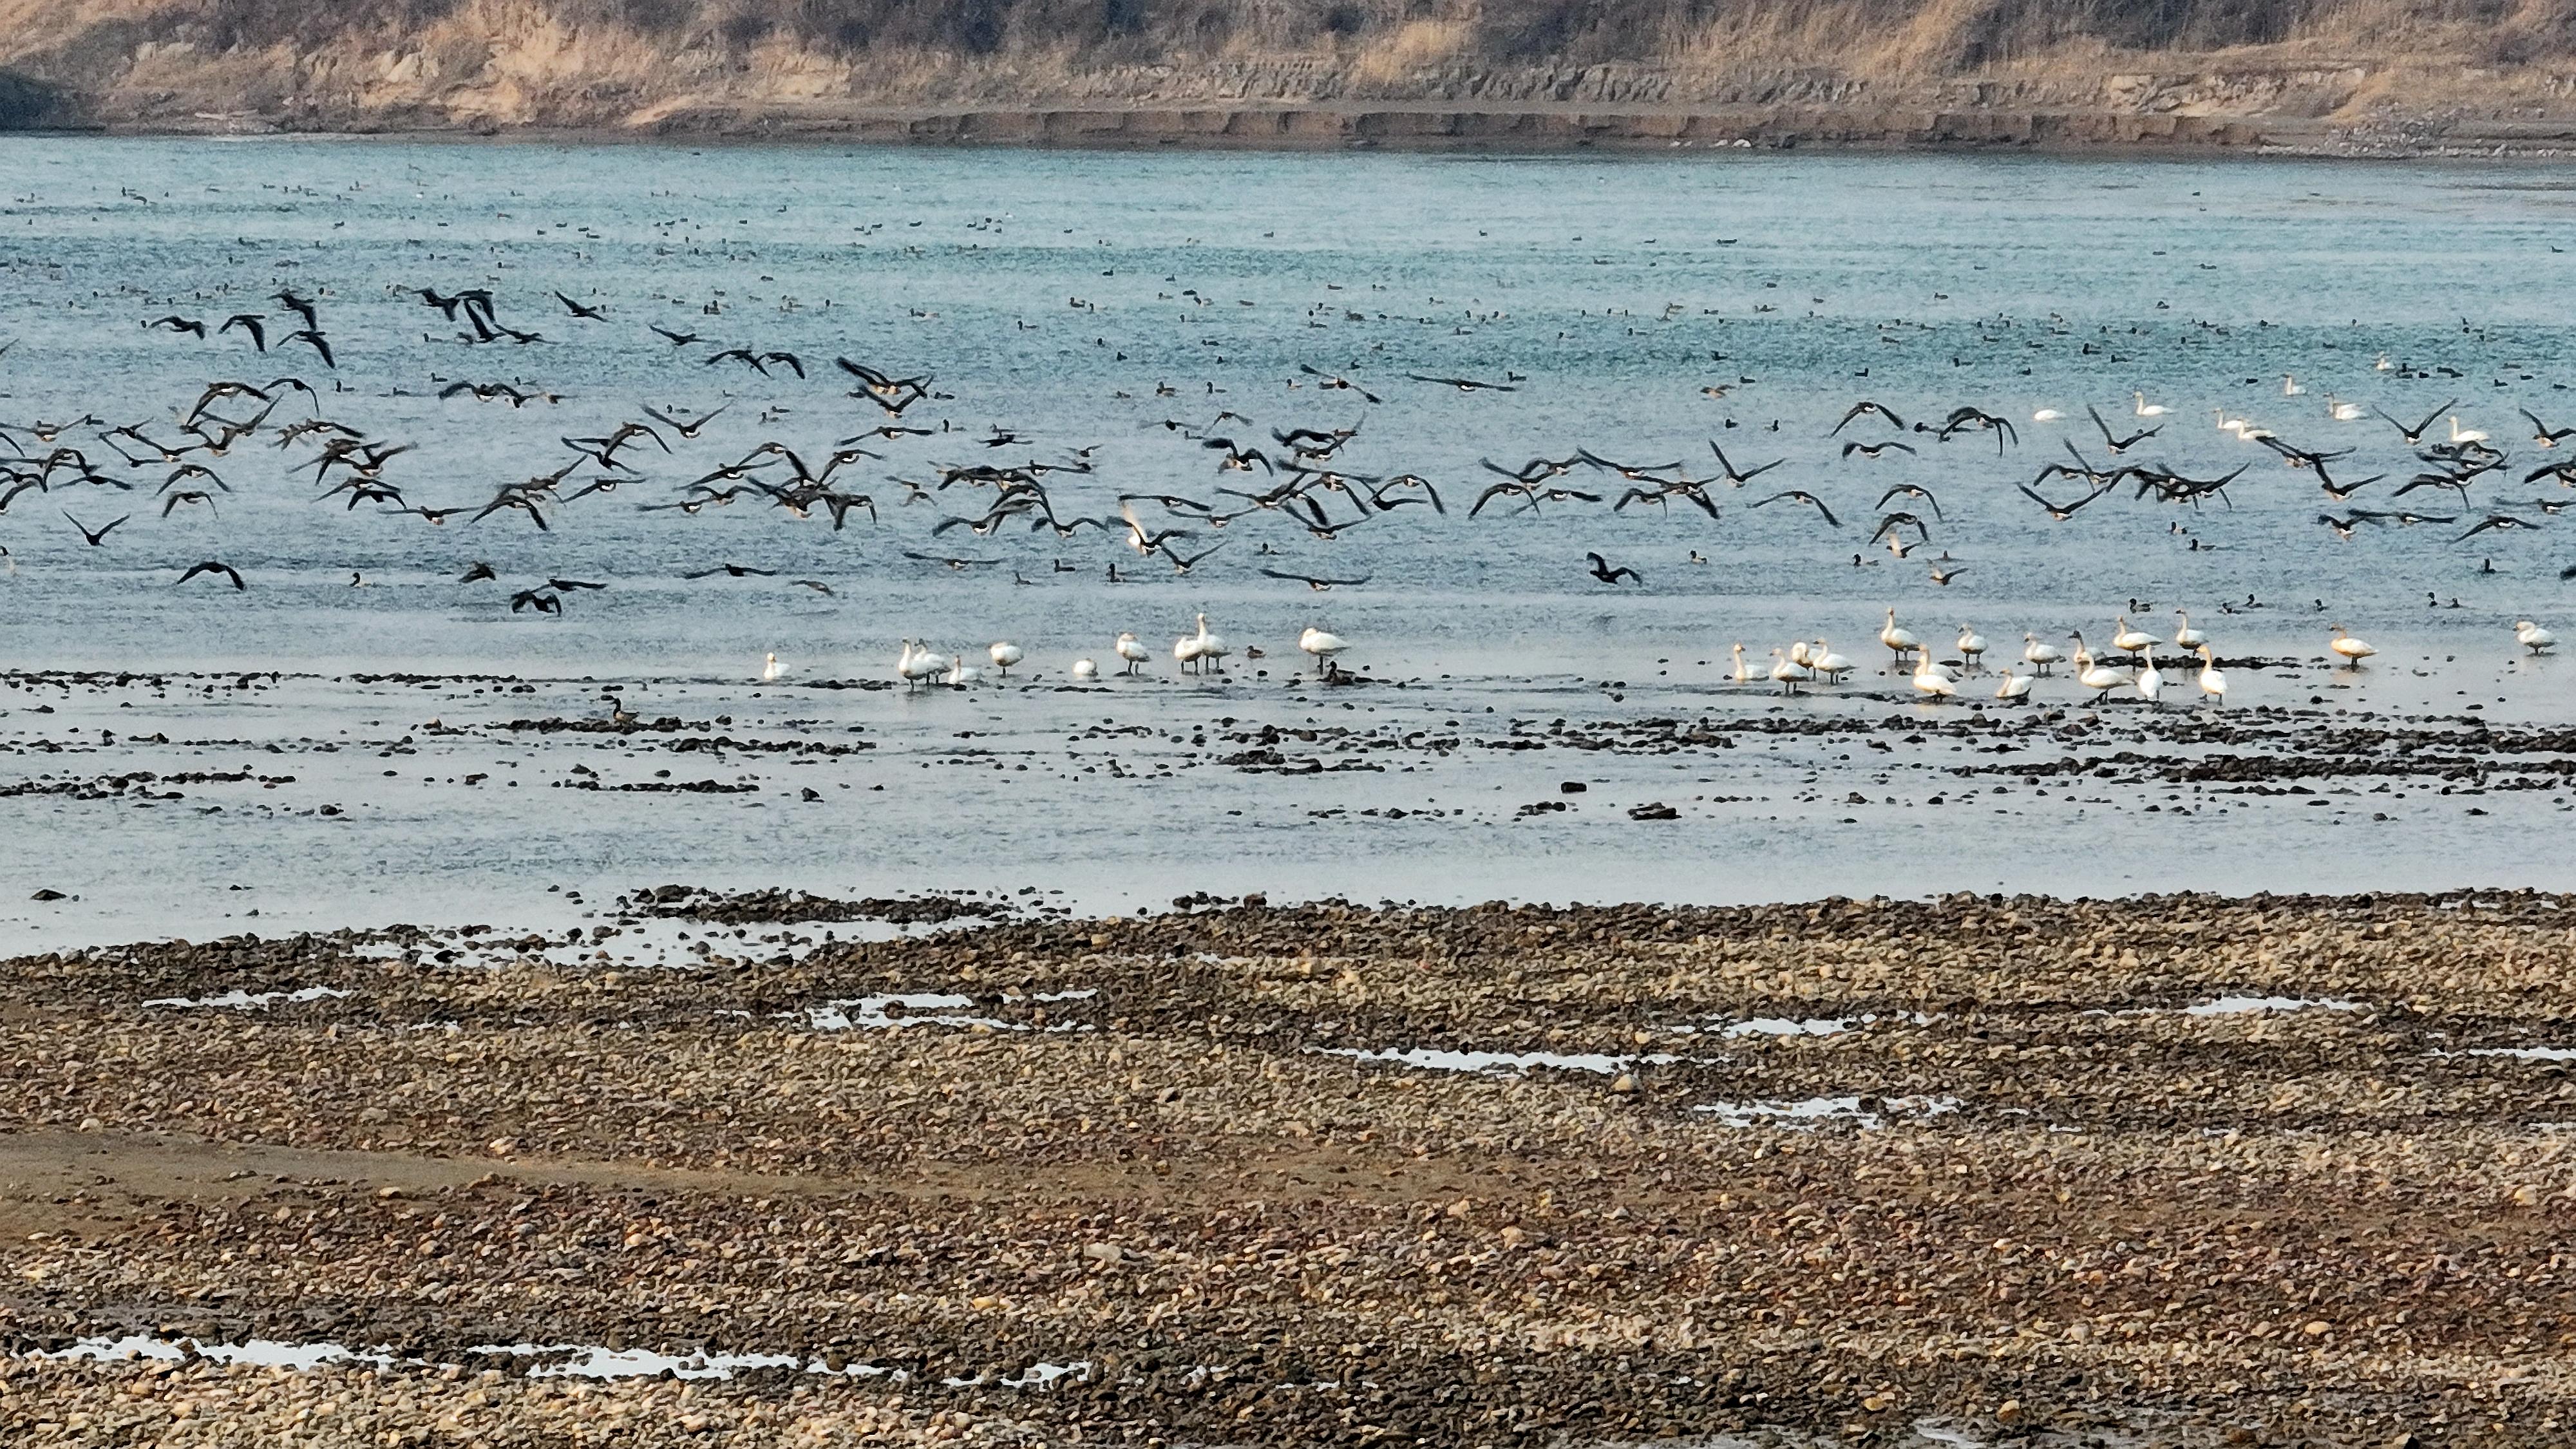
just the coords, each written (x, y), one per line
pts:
(1052, 295)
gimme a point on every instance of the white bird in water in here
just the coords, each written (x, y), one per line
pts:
(1787, 672)
(1004, 654)
(2185, 636)
(1828, 665)
(2353, 650)
(2146, 409)
(1972, 648)
(2040, 657)
(2013, 688)
(2344, 412)
(1133, 652)
(2046, 415)
(2150, 682)
(771, 668)
(2464, 435)
(2099, 678)
(2290, 386)
(2213, 683)
(1085, 670)
(2531, 636)
(962, 674)
(1898, 642)
(1203, 649)
(1743, 672)
(1930, 682)
(2132, 640)
(918, 666)
(1322, 646)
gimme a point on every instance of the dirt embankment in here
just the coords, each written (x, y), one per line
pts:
(2326, 75)
(2171, 1170)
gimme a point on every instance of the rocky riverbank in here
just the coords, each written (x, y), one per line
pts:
(2170, 1170)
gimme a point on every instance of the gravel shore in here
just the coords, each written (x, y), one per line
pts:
(2168, 1170)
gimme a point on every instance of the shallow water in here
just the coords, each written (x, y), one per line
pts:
(1051, 294)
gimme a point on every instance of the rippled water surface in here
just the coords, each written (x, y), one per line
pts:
(1099, 312)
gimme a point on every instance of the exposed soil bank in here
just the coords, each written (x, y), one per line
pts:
(2183, 1168)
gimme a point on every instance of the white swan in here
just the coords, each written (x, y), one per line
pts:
(1825, 662)
(1898, 642)
(2464, 435)
(2046, 415)
(2185, 636)
(2227, 424)
(1085, 670)
(1322, 646)
(2131, 639)
(2290, 386)
(961, 673)
(1798, 652)
(1787, 673)
(2344, 412)
(2213, 683)
(2353, 650)
(1743, 671)
(918, 666)
(2040, 657)
(1186, 652)
(1212, 647)
(2150, 682)
(771, 668)
(1004, 654)
(1972, 648)
(1133, 652)
(2013, 688)
(2101, 679)
(2147, 409)
(2531, 636)
(1930, 682)
(2383, 364)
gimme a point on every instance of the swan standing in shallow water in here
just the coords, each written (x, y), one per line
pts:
(2150, 682)
(1898, 642)
(1203, 649)
(1972, 648)
(1323, 647)
(2098, 678)
(1005, 654)
(2185, 636)
(2040, 657)
(2131, 639)
(1828, 665)
(1133, 652)
(1787, 672)
(2353, 650)
(918, 666)
(2213, 683)
(2531, 636)
(1930, 682)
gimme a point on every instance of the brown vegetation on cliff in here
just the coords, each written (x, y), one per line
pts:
(818, 64)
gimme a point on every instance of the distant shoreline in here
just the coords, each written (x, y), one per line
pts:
(1445, 127)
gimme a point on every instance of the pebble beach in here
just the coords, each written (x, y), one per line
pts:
(2166, 1170)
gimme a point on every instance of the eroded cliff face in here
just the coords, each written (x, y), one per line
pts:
(2228, 68)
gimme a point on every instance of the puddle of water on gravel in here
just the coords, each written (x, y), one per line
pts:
(238, 999)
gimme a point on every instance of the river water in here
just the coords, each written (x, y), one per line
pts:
(1096, 314)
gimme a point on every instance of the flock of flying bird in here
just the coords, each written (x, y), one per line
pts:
(1304, 481)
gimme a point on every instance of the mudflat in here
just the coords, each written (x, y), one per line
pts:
(2157, 1170)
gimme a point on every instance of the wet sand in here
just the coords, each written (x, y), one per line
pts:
(2170, 1170)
